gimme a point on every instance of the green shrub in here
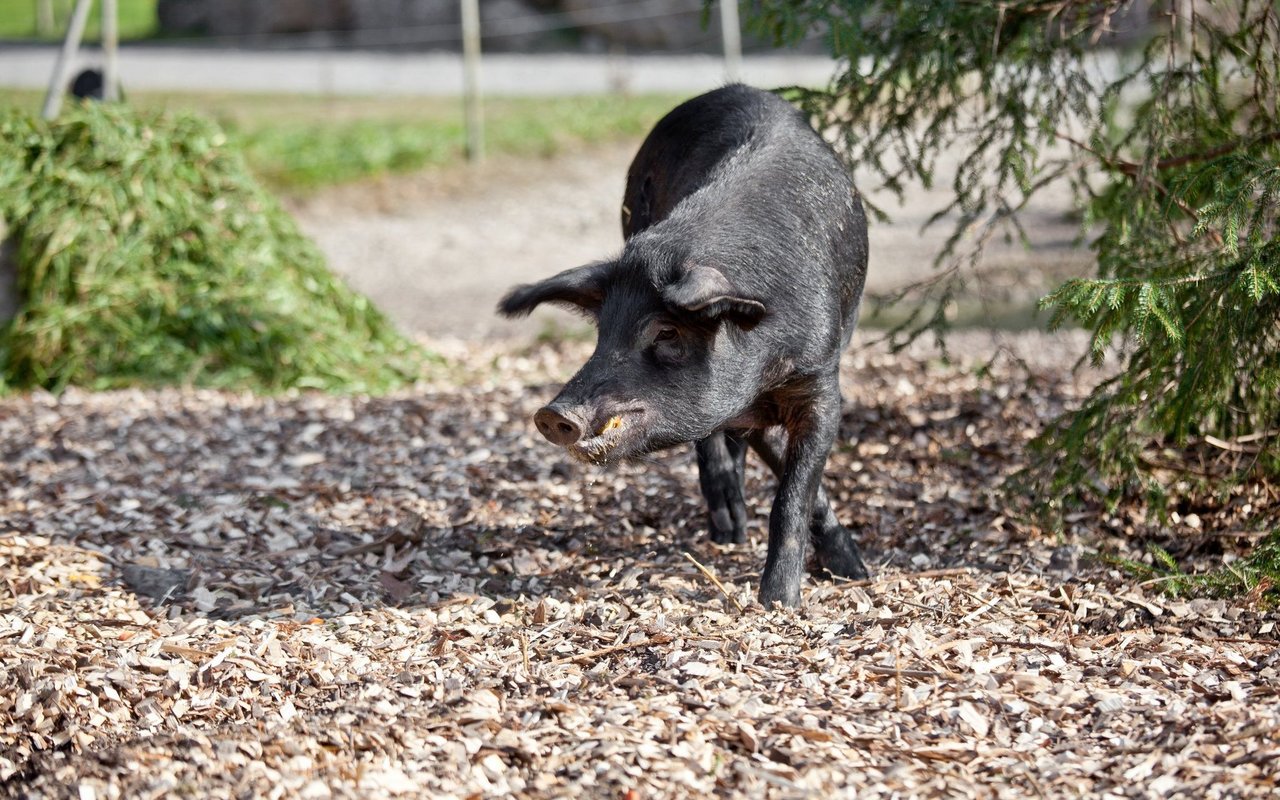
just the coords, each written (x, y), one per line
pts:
(148, 254)
(1170, 151)
(1170, 154)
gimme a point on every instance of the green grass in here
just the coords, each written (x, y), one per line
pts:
(148, 254)
(137, 19)
(320, 150)
(298, 143)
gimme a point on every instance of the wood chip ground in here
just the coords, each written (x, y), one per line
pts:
(219, 595)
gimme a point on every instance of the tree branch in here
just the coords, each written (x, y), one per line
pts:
(1132, 168)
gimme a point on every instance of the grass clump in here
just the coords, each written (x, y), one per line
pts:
(148, 254)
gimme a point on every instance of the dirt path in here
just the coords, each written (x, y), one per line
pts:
(220, 595)
(437, 250)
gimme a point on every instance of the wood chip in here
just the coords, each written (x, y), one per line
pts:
(312, 596)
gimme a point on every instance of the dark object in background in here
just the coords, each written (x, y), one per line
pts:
(10, 300)
(89, 85)
(723, 320)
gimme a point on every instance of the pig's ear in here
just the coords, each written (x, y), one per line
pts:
(580, 288)
(706, 292)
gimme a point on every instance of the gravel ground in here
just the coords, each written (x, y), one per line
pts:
(222, 595)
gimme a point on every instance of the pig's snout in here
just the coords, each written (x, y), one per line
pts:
(559, 425)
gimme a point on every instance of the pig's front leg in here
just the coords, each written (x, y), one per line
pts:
(836, 550)
(810, 434)
(721, 462)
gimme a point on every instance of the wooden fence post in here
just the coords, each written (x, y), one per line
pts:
(62, 69)
(731, 35)
(44, 17)
(471, 80)
(110, 51)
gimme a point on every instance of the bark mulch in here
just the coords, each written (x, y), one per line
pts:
(222, 595)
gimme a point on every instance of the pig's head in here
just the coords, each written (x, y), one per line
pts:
(669, 365)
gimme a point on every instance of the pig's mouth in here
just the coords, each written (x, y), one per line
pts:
(615, 438)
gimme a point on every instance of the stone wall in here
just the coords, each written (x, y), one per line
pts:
(253, 17)
(507, 25)
(435, 24)
(644, 24)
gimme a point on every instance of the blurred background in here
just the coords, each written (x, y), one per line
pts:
(509, 25)
(334, 46)
(354, 112)
(432, 188)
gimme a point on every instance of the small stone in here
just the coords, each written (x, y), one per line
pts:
(155, 582)
(1065, 560)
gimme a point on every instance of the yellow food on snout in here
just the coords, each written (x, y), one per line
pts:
(614, 422)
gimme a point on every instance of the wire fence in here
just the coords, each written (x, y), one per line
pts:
(334, 76)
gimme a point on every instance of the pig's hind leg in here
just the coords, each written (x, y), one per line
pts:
(832, 542)
(721, 463)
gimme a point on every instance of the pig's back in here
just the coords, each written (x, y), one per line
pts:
(684, 149)
(742, 172)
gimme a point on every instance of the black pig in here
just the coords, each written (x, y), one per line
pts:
(723, 320)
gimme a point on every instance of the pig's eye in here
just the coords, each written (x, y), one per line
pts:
(665, 335)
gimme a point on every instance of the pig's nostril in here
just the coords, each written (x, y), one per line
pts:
(557, 427)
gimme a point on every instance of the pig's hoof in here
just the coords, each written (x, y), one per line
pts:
(735, 534)
(728, 523)
(785, 596)
(838, 555)
(738, 536)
